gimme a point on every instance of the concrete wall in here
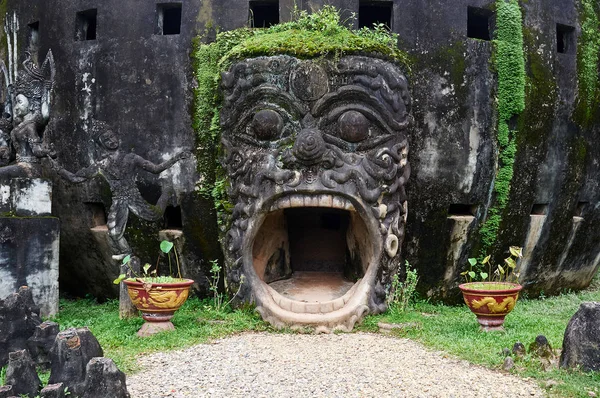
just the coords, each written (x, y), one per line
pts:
(141, 84)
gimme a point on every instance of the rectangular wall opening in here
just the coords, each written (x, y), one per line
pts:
(375, 12)
(172, 218)
(480, 23)
(168, 18)
(98, 213)
(539, 209)
(580, 209)
(86, 25)
(459, 209)
(263, 14)
(34, 35)
(565, 39)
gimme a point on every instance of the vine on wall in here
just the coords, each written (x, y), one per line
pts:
(587, 63)
(509, 63)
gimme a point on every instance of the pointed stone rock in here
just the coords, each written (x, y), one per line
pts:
(18, 318)
(69, 356)
(104, 380)
(541, 348)
(21, 374)
(581, 344)
(53, 391)
(40, 344)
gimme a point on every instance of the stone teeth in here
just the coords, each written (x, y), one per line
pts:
(338, 203)
(325, 201)
(296, 201)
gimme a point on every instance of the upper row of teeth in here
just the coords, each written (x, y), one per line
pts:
(322, 200)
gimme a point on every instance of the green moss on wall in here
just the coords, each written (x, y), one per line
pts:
(588, 99)
(509, 64)
(306, 36)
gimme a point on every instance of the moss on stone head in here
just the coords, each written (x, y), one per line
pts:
(307, 36)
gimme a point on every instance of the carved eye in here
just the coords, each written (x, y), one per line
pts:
(353, 126)
(266, 124)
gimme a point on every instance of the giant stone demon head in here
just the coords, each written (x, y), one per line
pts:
(316, 156)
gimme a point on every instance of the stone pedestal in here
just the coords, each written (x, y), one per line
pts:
(29, 242)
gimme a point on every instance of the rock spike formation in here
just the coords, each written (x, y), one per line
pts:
(21, 374)
(69, 356)
(581, 344)
(19, 317)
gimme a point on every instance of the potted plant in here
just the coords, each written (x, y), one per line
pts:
(156, 297)
(496, 294)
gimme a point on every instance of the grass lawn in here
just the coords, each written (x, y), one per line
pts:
(452, 329)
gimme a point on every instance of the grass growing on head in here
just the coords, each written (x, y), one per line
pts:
(307, 35)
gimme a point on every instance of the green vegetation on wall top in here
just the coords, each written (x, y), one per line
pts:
(587, 63)
(509, 62)
(305, 36)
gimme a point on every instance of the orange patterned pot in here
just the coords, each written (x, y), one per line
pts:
(490, 305)
(157, 302)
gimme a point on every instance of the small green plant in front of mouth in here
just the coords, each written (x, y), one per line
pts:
(152, 276)
(402, 293)
(509, 273)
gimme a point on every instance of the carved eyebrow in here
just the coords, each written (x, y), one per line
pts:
(262, 94)
(358, 96)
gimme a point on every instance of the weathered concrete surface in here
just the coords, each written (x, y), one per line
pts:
(29, 257)
(141, 83)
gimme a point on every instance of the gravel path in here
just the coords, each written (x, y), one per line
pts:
(333, 365)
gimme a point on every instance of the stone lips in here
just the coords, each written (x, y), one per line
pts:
(310, 160)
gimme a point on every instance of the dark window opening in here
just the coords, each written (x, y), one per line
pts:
(98, 213)
(458, 209)
(168, 19)
(86, 24)
(172, 218)
(371, 13)
(479, 23)
(539, 209)
(565, 39)
(263, 14)
(580, 209)
(34, 35)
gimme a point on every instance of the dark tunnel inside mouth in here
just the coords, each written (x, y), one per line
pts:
(311, 254)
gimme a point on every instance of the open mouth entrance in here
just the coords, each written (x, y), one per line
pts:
(311, 254)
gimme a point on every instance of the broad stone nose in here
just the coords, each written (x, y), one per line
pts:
(309, 146)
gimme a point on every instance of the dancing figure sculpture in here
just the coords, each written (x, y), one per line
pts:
(119, 169)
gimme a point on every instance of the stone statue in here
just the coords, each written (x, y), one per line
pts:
(322, 134)
(119, 169)
(29, 104)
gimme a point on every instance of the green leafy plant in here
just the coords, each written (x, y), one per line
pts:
(218, 300)
(506, 272)
(148, 276)
(402, 293)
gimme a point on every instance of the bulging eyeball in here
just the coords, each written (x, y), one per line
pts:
(266, 124)
(353, 126)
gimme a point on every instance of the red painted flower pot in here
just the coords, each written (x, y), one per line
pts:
(157, 302)
(490, 301)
